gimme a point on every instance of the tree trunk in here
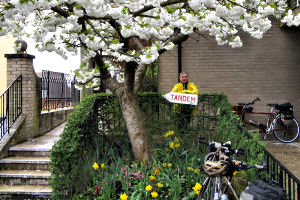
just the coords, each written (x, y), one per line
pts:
(135, 126)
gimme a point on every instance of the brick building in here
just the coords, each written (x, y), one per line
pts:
(268, 68)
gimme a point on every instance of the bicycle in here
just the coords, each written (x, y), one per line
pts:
(281, 121)
(220, 168)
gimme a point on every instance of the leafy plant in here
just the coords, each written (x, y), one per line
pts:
(93, 158)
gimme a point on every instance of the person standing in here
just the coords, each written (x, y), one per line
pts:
(184, 112)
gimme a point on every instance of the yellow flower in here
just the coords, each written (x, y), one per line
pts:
(123, 196)
(154, 194)
(197, 171)
(95, 166)
(169, 165)
(152, 178)
(235, 173)
(148, 188)
(169, 133)
(164, 164)
(190, 169)
(160, 185)
(102, 165)
(197, 188)
(176, 139)
(172, 145)
(156, 172)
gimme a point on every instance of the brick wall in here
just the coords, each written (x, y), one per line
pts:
(268, 68)
(18, 64)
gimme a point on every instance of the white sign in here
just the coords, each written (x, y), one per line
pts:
(181, 98)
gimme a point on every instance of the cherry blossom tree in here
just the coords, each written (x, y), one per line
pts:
(127, 35)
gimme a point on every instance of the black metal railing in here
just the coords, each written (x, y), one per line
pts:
(58, 90)
(159, 114)
(283, 176)
(10, 106)
(279, 173)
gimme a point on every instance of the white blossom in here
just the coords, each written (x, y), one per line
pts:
(107, 27)
(236, 42)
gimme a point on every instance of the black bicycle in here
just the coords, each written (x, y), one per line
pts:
(220, 167)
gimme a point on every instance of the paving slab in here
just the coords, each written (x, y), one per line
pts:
(42, 143)
(288, 154)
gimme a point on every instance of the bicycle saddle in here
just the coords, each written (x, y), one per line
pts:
(272, 104)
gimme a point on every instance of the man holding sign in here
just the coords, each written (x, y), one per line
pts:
(184, 111)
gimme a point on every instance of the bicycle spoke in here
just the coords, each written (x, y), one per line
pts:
(287, 131)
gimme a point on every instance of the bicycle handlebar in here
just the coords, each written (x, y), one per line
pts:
(226, 147)
(249, 103)
(227, 150)
(243, 166)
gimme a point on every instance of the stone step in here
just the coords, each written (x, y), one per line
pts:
(28, 152)
(25, 163)
(15, 192)
(24, 177)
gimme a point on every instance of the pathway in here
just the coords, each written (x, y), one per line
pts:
(288, 154)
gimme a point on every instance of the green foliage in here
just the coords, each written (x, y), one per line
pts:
(67, 153)
(95, 131)
(229, 128)
(150, 81)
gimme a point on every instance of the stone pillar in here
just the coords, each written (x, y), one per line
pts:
(22, 64)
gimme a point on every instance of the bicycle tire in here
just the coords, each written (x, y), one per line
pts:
(207, 191)
(285, 133)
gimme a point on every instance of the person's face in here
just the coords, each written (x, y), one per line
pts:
(184, 78)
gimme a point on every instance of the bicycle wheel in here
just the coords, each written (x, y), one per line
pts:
(285, 131)
(207, 190)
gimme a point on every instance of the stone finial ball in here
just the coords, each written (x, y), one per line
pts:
(21, 46)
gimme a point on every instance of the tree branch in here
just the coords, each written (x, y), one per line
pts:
(176, 38)
(164, 4)
(139, 76)
(105, 76)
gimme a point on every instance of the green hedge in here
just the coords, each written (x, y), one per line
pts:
(67, 153)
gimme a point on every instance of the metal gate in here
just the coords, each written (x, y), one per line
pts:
(58, 90)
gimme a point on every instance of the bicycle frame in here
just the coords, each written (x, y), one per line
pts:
(225, 188)
(270, 115)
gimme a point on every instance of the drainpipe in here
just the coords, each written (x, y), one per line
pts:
(179, 60)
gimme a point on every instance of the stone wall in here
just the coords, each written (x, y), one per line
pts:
(268, 68)
(50, 120)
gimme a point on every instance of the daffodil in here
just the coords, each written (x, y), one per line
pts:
(197, 188)
(103, 166)
(172, 145)
(152, 178)
(148, 188)
(154, 194)
(123, 196)
(95, 166)
(160, 185)
(169, 133)
(176, 139)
